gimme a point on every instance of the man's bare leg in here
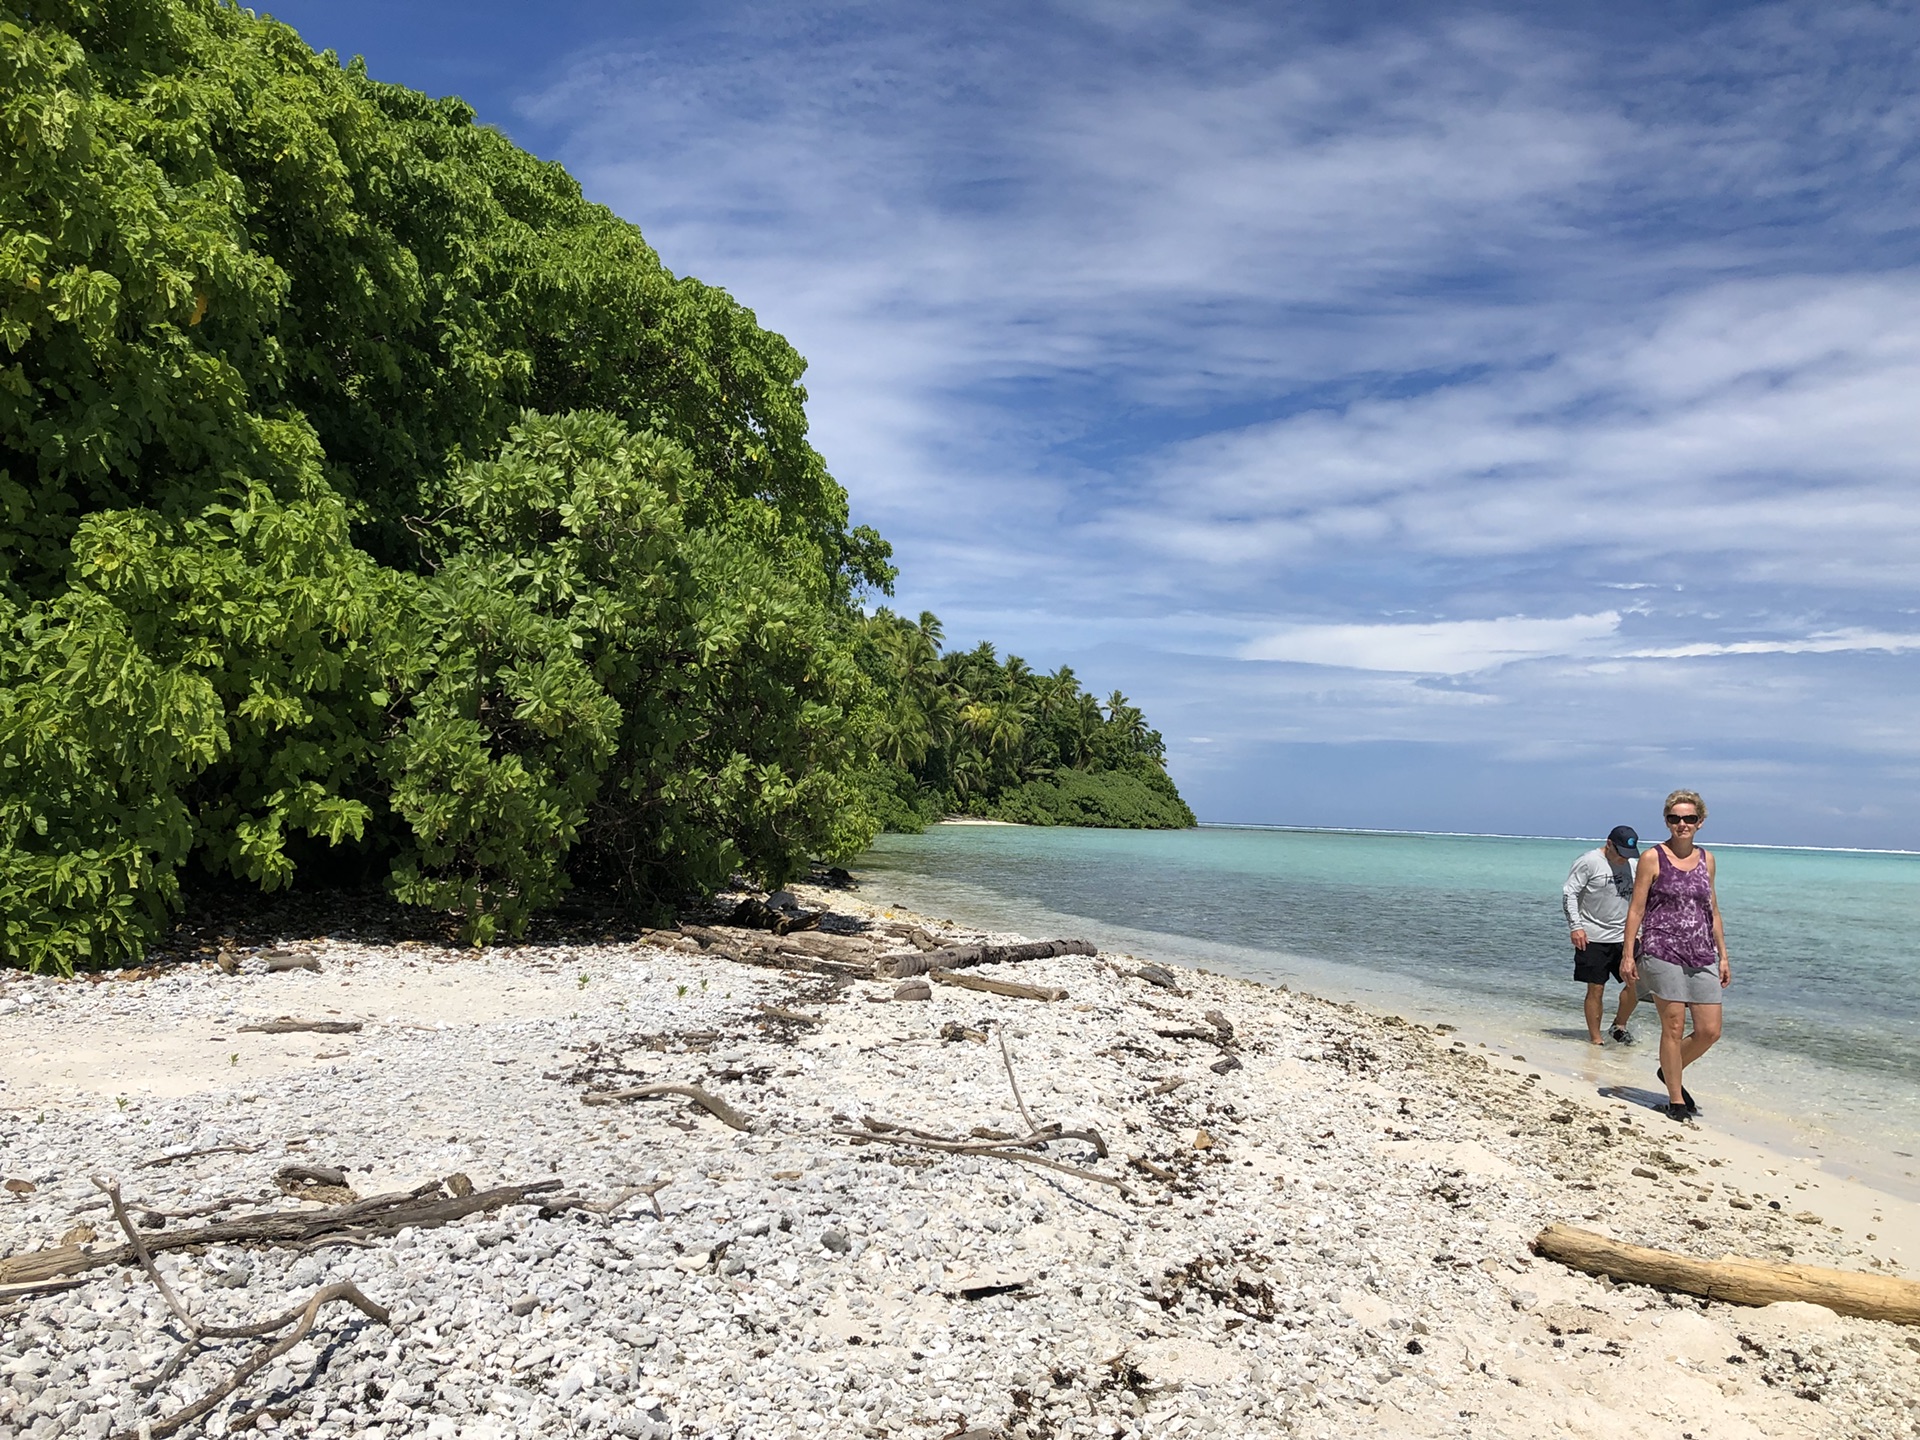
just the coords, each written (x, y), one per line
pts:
(1596, 998)
(1629, 998)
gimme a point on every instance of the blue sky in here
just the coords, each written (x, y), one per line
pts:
(1437, 416)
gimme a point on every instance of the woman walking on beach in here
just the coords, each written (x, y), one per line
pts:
(1674, 942)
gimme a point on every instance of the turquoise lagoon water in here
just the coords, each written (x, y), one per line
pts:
(1822, 1043)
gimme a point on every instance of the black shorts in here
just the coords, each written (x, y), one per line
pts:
(1599, 962)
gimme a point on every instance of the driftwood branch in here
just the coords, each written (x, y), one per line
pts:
(111, 1189)
(712, 1104)
(1003, 1151)
(1147, 1167)
(996, 1139)
(37, 1287)
(284, 1026)
(1006, 1059)
(424, 1207)
(266, 1355)
(746, 947)
(612, 1203)
(1733, 1279)
(180, 1155)
(794, 1017)
(1012, 989)
(965, 957)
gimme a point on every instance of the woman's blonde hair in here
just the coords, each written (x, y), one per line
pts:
(1690, 797)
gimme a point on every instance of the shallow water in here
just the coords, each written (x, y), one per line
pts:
(1822, 1042)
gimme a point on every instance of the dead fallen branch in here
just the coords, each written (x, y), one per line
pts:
(613, 1202)
(1147, 1167)
(999, 1150)
(300, 1317)
(745, 947)
(965, 957)
(180, 1155)
(1733, 1279)
(111, 1189)
(792, 1017)
(311, 1175)
(1013, 990)
(281, 961)
(37, 1287)
(1004, 1147)
(997, 1139)
(712, 1104)
(424, 1207)
(285, 1026)
(1006, 1059)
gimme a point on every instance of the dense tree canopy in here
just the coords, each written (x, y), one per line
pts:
(373, 504)
(965, 731)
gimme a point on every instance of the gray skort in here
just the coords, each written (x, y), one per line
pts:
(1664, 980)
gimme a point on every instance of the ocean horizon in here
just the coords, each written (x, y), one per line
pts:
(1506, 835)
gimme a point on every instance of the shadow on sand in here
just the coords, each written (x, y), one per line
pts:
(1634, 1095)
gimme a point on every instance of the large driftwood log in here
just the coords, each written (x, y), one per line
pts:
(285, 1026)
(965, 957)
(747, 947)
(423, 1207)
(1736, 1280)
(1009, 988)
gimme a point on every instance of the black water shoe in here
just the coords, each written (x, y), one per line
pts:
(1675, 1112)
(1622, 1035)
(1693, 1106)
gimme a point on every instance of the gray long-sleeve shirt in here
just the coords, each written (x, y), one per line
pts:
(1596, 896)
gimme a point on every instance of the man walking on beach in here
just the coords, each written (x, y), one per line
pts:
(1598, 891)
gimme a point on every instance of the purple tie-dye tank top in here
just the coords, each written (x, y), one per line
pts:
(1678, 923)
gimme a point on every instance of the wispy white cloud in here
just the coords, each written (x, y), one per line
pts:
(1452, 647)
(1828, 642)
(1474, 367)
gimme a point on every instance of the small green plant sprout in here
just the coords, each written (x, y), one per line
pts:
(683, 991)
(234, 1059)
(121, 1102)
(703, 986)
(583, 981)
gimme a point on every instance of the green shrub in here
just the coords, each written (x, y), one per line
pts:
(673, 702)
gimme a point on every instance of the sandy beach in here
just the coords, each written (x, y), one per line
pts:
(1310, 1220)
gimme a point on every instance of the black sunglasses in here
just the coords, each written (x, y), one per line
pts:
(1693, 820)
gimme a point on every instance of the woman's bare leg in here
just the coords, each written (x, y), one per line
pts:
(1706, 1030)
(1673, 1040)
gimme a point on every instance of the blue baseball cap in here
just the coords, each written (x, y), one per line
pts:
(1625, 839)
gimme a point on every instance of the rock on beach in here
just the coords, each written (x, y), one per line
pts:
(1347, 1254)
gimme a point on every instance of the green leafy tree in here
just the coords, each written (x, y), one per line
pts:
(372, 504)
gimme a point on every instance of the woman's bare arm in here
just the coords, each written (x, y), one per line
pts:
(1719, 932)
(1643, 874)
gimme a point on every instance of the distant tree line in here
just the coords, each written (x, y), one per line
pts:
(965, 732)
(374, 507)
